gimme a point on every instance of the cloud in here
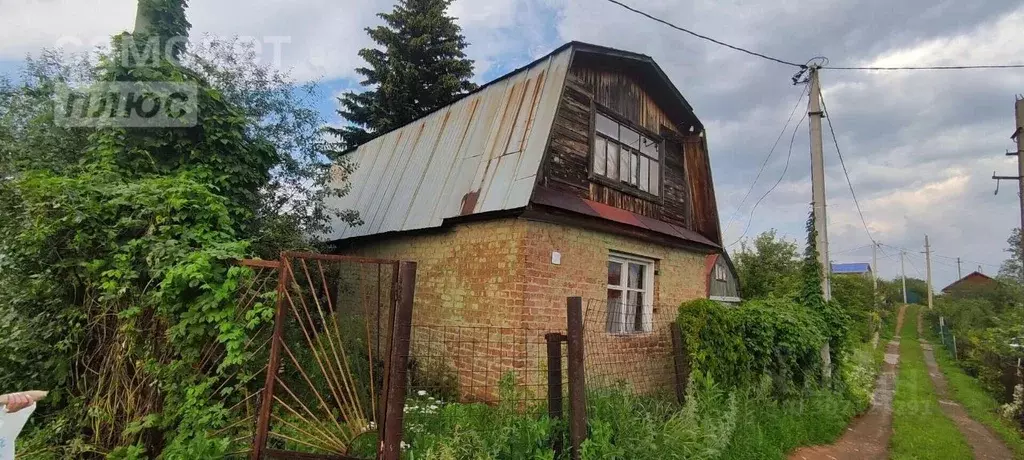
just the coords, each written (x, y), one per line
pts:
(920, 147)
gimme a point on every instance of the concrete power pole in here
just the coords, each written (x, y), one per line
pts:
(903, 273)
(874, 266)
(1018, 135)
(814, 115)
(928, 268)
(958, 274)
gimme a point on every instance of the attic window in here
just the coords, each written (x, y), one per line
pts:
(626, 156)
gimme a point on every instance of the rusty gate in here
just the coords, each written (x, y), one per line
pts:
(334, 386)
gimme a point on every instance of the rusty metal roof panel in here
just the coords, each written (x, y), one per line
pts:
(479, 154)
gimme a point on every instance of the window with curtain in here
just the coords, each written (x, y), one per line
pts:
(630, 294)
(626, 156)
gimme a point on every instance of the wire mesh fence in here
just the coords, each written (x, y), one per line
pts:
(480, 364)
(630, 345)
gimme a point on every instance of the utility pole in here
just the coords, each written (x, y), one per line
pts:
(958, 274)
(814, 115)
(928, 268)
(1018, 110)
(874, 266)
(1018, 135)
(903, 273)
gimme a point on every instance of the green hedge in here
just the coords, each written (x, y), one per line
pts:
(738, 346)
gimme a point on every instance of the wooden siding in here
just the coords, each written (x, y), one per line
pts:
(624, 95)
(727, 288)
(702, 192)
(686, 199)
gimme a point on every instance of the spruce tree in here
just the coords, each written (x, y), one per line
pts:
(418, 66)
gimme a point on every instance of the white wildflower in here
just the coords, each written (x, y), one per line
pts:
(422, 392)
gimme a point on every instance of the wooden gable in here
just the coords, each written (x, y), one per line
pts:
(634, 95)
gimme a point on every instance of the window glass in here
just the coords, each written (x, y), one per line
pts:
(613, 161)
(624, 155)
(645, 174)
(607, 126)
(655, 178)
(614, 273)
(648, 146)
(636, 276)
(624, 166)
(630, 138)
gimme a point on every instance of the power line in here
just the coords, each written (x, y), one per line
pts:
(845, 172)
(803, 66)
(772, 189)
(938, 67)
(766, 159)
(705, 37)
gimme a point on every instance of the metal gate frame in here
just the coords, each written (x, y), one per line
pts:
(389, 426)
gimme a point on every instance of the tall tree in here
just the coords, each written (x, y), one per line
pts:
(1011, 269)
(767, 266)
(418, 66)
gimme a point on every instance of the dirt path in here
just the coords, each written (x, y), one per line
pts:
(868, 436)
(984, 444)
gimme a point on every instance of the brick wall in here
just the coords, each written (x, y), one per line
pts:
(499, 274)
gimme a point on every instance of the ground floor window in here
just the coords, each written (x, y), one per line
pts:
(630, 294)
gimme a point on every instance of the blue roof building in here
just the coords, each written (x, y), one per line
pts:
(851, 269)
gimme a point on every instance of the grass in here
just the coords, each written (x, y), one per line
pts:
(920, 429)
(768, 429)
(978, 403)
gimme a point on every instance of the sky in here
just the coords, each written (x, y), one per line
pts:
(920, 147)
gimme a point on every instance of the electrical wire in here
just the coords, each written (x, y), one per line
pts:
(772, 189)
(705, 37)
(937, 67)
(764, 163)
(845, 171)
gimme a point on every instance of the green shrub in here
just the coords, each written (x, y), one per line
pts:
(737, 346)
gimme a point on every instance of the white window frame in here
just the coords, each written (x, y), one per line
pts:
(720, 274)
(624, 326)
(647, 150)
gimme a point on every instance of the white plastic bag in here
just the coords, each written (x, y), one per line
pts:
(10, 427)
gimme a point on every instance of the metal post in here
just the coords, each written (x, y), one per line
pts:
(577, 382)
(682, 362)
(818, 205)
(554, 341)
(259, 442)
(398, 358)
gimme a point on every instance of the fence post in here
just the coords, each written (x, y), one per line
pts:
(682, 362)
(259, 442)
(577, 383)
(394, 391)
(956, 356)
(554, 341)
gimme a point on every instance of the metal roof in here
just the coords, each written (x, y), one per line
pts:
(853, 268)
(479, 154)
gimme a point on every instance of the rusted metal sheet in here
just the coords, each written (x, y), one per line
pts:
(569, 202)
(480, 154)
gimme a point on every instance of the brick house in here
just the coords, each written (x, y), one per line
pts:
(585, 173)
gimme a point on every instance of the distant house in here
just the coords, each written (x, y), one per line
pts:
(585, 173)
(863, 269)
(973, 280)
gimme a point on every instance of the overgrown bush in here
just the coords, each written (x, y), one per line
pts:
(738, 346)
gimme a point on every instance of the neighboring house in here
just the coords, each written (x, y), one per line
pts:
(862, 269)
(973, 280)
(585, 173)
